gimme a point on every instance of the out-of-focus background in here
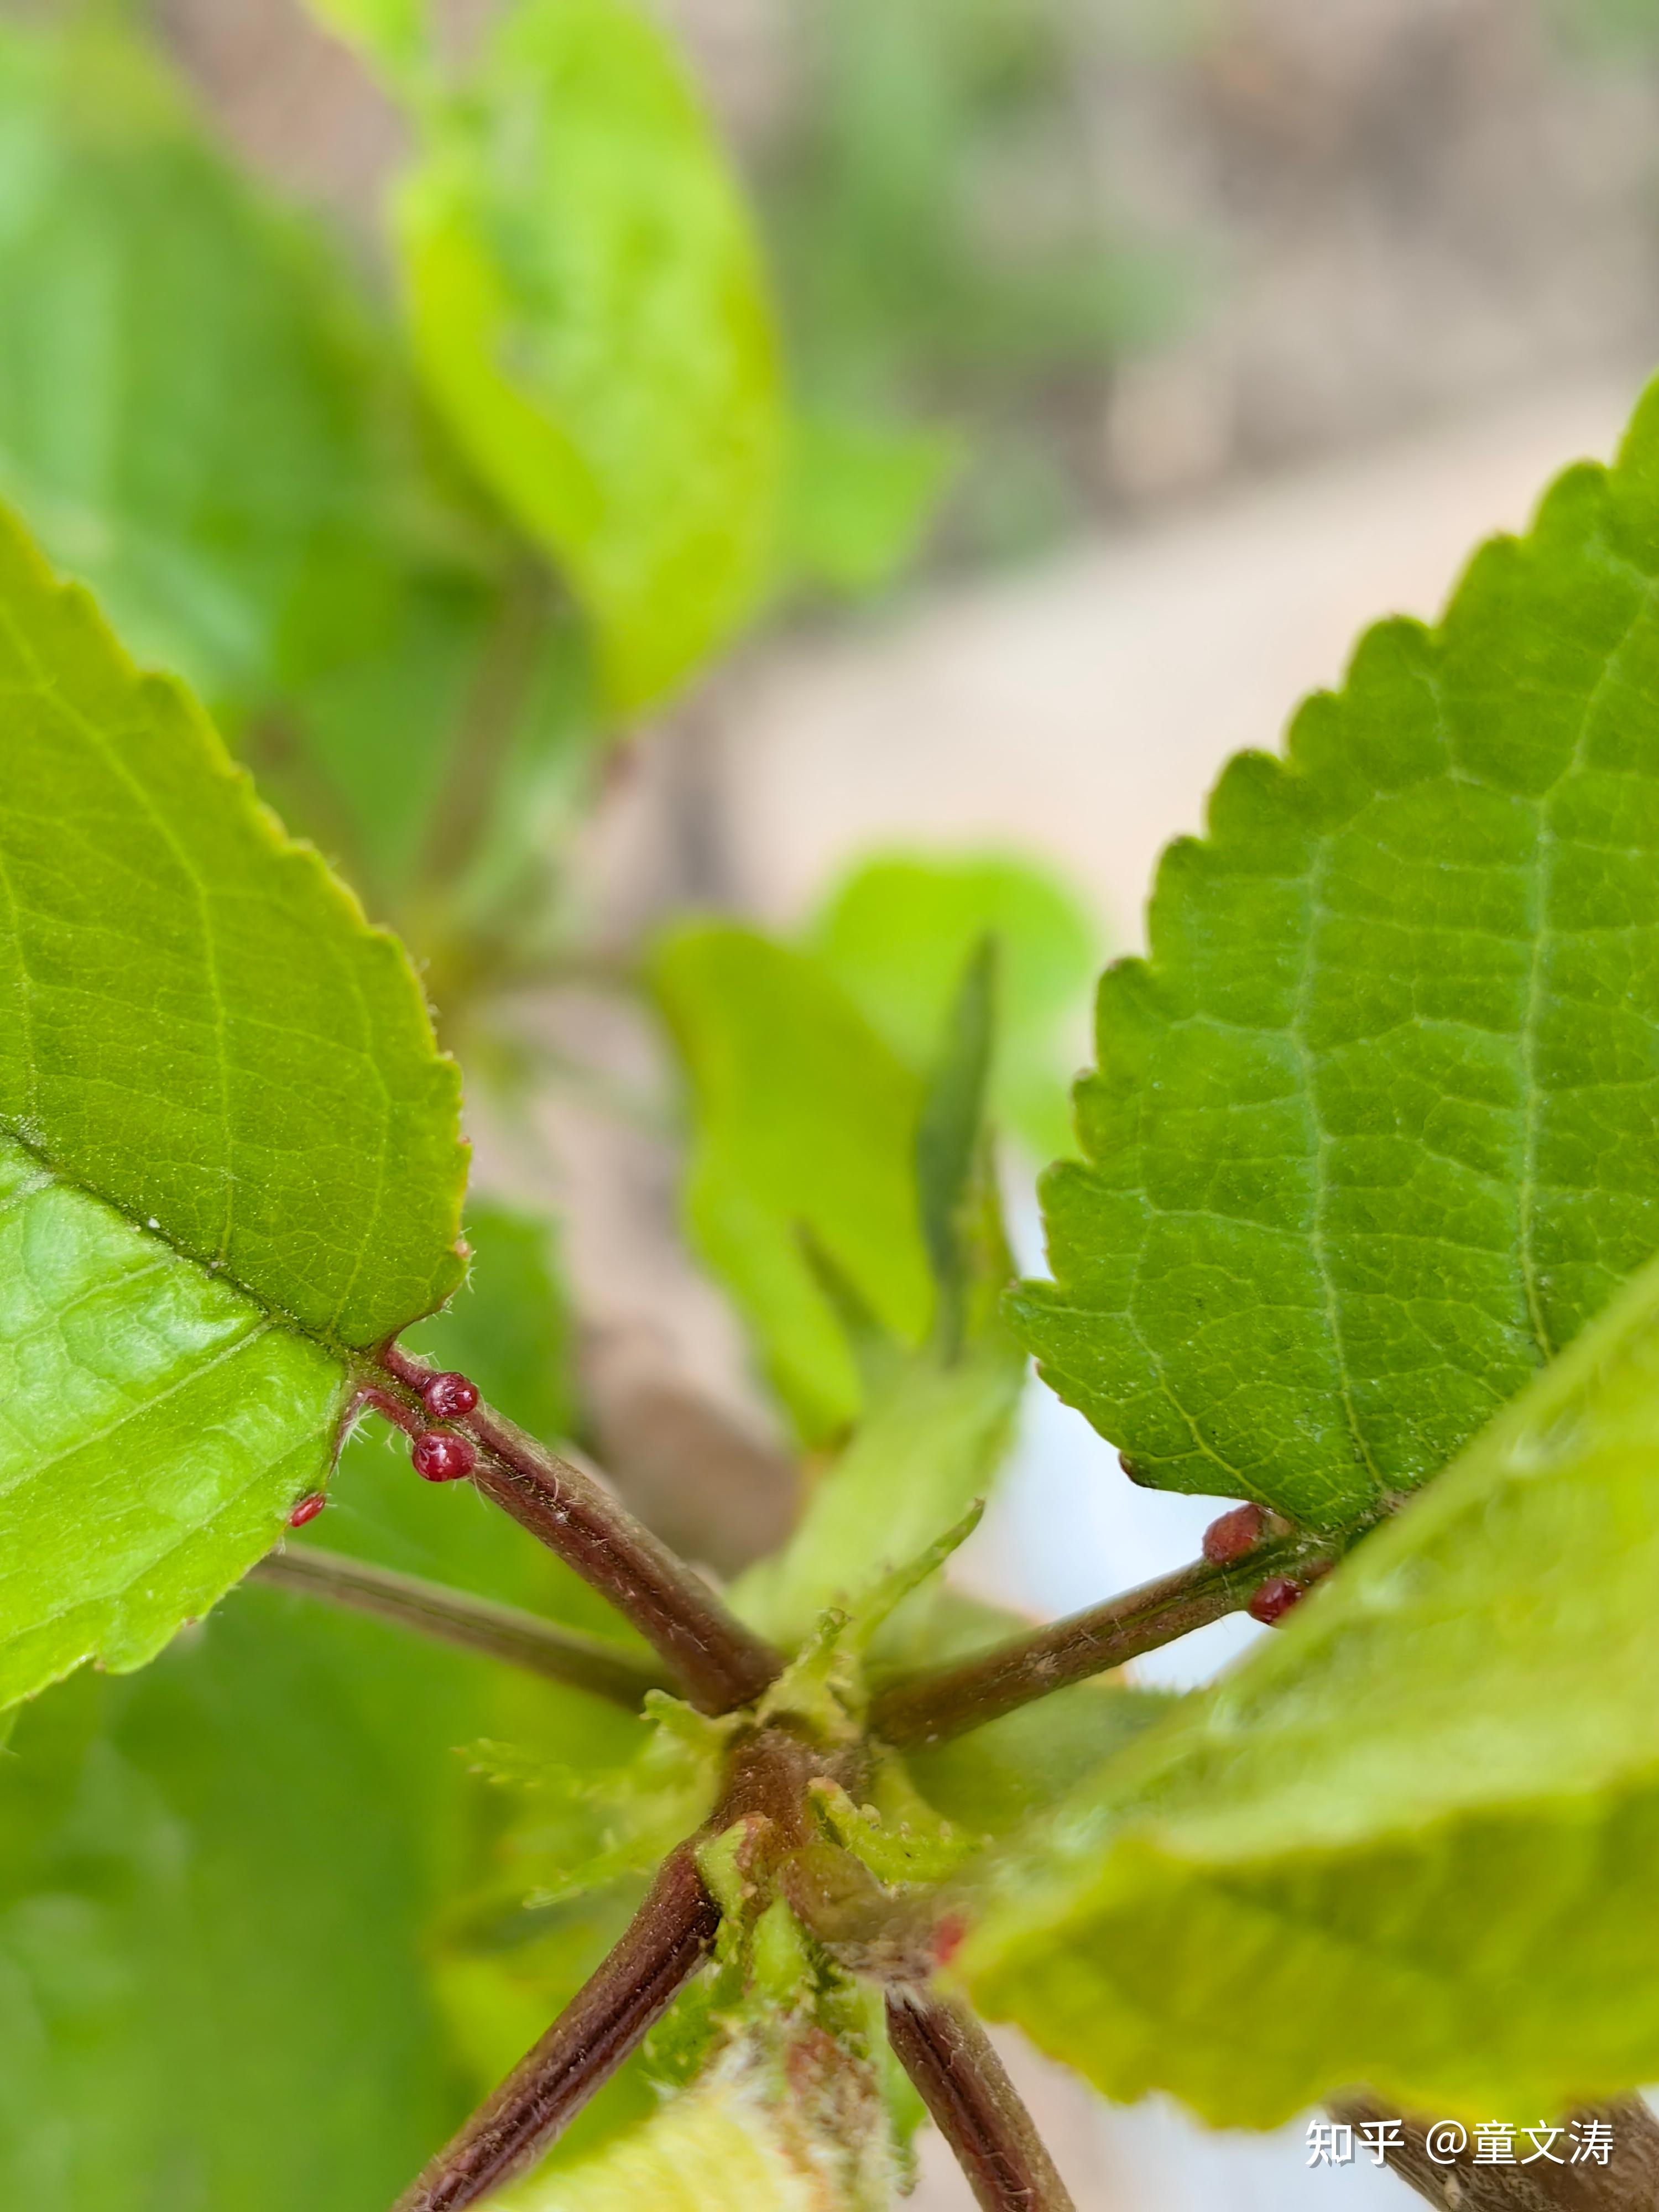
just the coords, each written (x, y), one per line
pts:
(1196, 334)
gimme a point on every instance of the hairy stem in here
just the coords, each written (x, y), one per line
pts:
(947, 1701)
(719, 1662)
(976, 2107)
(1629, 2182)
(665, 1944)
(499, 1632)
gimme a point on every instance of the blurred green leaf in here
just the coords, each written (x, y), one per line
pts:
(191, 413)
(861, 500)
(212, 1883)
(510, 1327)
(221, 1884)
(936, 1423)
(395, 33)
(589, 313)
(1409, 1842)
(1374, 1131)
(895, 933)
(203, 419)
(1605, 29)
(804, 1127)
(953, 1165)
(1015, 1770)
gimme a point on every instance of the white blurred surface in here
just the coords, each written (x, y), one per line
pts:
(1080, 710)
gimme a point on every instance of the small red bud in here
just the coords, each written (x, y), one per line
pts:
(1274, 1600)
(442, 1459)
(1233, 1533)
(446, 1397)
(307, 1510)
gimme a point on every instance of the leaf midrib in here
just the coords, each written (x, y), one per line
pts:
(277, 1316)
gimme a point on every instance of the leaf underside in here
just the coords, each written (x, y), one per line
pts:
(1409, 1843)
(1376, 1127)
(155, 1427)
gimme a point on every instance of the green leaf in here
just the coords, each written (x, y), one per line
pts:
(252, 497)
(220, 1882)
(396, 34)
(213, 1882)
(157, 1430)
(1012, 1770)
(511, 1329)
(896, 934)
(951, 1138)
(193, 414)
(227, 1143)
(1409, 1843)
(1376, 1130)
(861, 498)
(803, 1121)
(929, 1445)
(195, 1023)
(589, 314)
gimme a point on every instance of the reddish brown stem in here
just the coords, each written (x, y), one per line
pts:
(474, 1624)
(976, 2107)
(719, 1662)
(665, 1944)
(948, 1701)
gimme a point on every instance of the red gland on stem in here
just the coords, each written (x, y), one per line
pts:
(307, 1510)
(442, 1459)
(1234, 1534)
(448, 1397)
(1274, 1600)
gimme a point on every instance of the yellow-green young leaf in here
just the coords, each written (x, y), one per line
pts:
(895, 933)
(155, 1427)
(590, 315)
(804, 1128)
(1409, 1843)
(395, 33)
(1375, 1129)
(930, 1441)
(230, 1153)
(812, 2138)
